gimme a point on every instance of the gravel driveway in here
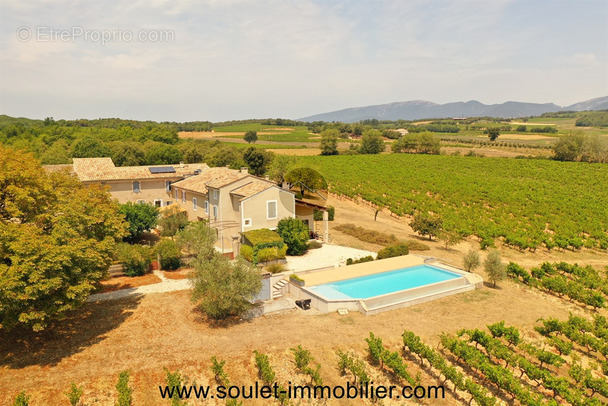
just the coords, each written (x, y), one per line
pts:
(326, 256)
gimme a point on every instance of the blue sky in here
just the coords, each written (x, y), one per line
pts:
(232, 59)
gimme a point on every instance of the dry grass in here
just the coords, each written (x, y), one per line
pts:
(126, 282)
(179, 274)
(145, 334)
(298, 152)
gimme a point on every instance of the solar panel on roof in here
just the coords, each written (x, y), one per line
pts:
(162, 169)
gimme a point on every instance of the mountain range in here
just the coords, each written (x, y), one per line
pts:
(418, 109)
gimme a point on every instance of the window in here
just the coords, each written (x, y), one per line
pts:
(141, 202)
(175, 194)
(136, 187)
(215, 211)
(168, 202)
(168, 186)
(183, 197)
(158, 202)
(206, 206)
(247, 222)
(194, 203)
(215, 194)
(271, 209)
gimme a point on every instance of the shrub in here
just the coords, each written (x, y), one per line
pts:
(276, 268)
(361, 260)
(224, 288)
(74, 394)
(135, 259)
(124, 390)
(393, 251)
(272, 253)
(331, 212)
(174, 380)
(22, 399)
(170, 255)
(295, 278)
(314, 245)
(246, 252)
(295, 234)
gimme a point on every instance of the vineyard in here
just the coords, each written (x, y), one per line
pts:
(583, 285)
(566, 363)
(527, 203)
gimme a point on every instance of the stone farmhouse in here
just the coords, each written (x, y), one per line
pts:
(232, 201)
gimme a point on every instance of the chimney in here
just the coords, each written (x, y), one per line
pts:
(181, 164)
(244, 169)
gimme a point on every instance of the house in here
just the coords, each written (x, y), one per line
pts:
(232, 201)
(137, 184)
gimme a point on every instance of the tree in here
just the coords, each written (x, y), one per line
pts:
(251, 137)
(162, 154)
(257, 160)
(89, 147)
(57, 240)
(329, 142)
(427, 224)
(372, 142)
(494, 267)
(224, 288)
(58, 153)
(449, 238)
(140, 217)
(127, 154)
(493, 133)
(172, 221)
(198, 239)
(306, 178)
(471, 260)
(295, 234)
(278, 168)
(569, 147)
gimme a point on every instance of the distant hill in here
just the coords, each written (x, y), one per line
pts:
(418, 109)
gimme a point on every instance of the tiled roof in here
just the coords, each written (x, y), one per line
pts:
(103, 169)
(212, 177)
(250, 189)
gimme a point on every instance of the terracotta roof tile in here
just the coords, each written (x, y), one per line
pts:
(103, 169)
(252, 188)
(213, 177)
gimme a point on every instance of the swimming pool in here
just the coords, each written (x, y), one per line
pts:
(383, 283)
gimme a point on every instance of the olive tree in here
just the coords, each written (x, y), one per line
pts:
(494, 267)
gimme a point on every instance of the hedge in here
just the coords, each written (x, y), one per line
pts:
(393, 251)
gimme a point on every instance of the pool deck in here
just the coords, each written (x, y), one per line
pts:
(357, 270)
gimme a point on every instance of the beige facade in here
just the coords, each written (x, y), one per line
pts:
(232, 201)
(136, 184)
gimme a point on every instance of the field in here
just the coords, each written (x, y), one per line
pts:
(526, 202)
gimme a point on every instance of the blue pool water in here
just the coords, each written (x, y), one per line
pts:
(382, 283)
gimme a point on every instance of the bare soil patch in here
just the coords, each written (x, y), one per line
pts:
(126, 282)
(297, 151)
(179, 274)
